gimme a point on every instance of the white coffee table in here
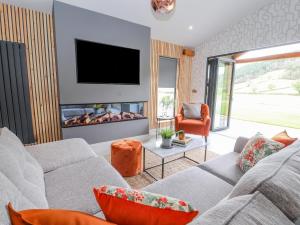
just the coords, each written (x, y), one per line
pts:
(153, 146)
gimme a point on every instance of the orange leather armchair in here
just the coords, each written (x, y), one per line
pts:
(194, 126)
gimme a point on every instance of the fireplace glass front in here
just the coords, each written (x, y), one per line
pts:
(92, 114)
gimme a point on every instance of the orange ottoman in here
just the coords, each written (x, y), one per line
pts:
(126, 157)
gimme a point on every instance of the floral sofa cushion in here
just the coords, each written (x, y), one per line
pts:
(127, 206)
(257, 148)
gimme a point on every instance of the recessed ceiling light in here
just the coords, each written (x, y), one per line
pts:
(191, 27)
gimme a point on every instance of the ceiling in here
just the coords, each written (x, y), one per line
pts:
(207, 17)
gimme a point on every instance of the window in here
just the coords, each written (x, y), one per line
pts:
(167, 87)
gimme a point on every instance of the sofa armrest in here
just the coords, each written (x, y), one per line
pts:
(240, 144)
(54, 155)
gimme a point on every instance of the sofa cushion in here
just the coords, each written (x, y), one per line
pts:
(52, 217)
(278, 178)
(200, 188)
(248, 209)
(23, 176)
(284, 138)
(5, 132)
(57, 154)
(22, 169)
(142, 207)
(10, 193)
(71, 187)
(224, 167)
(257, 148)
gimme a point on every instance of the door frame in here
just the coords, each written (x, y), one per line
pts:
(231, 91)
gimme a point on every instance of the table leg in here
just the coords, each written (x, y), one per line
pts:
(163, 169)
(159, 127)
(205, 153)
(144, 159)
(156, 129)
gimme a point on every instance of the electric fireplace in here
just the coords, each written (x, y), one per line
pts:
(100, 113)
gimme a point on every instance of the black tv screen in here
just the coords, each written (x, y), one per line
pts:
(106, 64)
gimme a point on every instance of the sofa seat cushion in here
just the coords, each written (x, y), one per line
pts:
(224, 167)
(10, 193)
(57, 154)
(71, 187)
(194, 185)
(247, 210)
(191, 122)
(278, 178)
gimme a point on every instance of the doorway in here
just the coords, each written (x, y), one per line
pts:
(219, 91)
(265, 90)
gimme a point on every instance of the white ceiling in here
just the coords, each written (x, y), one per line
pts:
(207, 17)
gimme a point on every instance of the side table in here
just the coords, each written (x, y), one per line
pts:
(161, 119)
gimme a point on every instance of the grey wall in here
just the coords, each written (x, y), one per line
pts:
(73, 22)
(109, 131)
(274, 24)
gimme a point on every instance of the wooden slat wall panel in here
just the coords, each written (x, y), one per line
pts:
(35, 30)
(160, 48)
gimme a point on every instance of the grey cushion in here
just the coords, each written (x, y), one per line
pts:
(200, 188)
(244, 210)
(278, 178)
(21, 169)
(192, 111)
(100, 215)
(57, 154)
(71, 187)
(10, 193)
(224, 167)
(23, 176)
(240, 144)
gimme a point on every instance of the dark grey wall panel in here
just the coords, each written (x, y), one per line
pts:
(15, 110)
(73, 22)
(167, 72)
(106, 132)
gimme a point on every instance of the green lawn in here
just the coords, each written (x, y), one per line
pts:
(281, 110)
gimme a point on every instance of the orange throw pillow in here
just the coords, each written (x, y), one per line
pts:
(131, 207)
(284, 138)
(52, 217)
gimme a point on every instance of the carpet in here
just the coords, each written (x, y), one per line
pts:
(142, 180)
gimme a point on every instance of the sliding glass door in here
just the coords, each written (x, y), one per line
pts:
(219, 91)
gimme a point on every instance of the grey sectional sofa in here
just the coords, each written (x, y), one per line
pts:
(62, 175)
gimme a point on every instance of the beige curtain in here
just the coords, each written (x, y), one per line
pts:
(184, 71)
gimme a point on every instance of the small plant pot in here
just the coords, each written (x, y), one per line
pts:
(181, 136)
(167, 143)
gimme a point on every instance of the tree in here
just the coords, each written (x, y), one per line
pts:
(296, 86)
(166, 102)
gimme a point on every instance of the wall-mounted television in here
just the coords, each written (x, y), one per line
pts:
(106, 64)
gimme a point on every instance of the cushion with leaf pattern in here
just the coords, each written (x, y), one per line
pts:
(257, 148)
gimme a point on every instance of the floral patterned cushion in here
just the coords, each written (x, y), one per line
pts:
(142, 207)
(257, 148)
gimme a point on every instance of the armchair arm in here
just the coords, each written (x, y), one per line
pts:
(207, 122)
(178, 119)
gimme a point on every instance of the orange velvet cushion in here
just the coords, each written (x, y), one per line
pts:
(130, 207)
(284, 138)
(52, 217)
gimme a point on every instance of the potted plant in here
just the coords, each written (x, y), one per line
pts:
(166, 135)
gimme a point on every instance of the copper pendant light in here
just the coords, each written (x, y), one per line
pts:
(163, 6)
